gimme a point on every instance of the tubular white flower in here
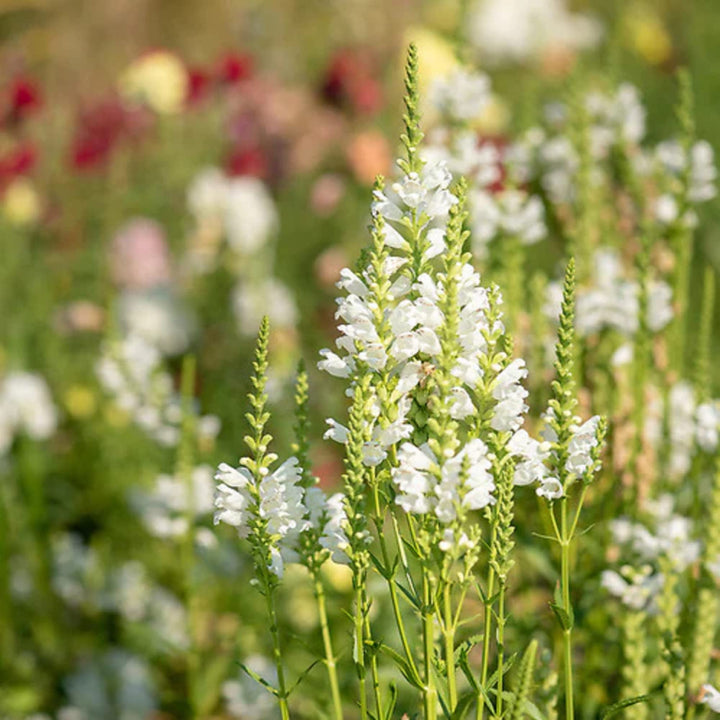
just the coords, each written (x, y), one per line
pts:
(711, 697)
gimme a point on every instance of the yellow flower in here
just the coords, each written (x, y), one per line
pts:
(158, 79)
(80, 401)
(116, 416)
(21, 203)
(646, 34)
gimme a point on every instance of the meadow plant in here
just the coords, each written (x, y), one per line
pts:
(528, 518)
(442, 436)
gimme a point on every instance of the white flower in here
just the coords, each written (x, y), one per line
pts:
(519, 30)
(207, 195)
(426, 194)
(26, 406)
(636, 590)
(250, 214)
(707, 418)
(581, 444)
(414, 483)
(510, 396)
(335, 365)
(550, 488)
(462, 95)
(711, 697)
(417, 482)
(333, 536)
(257, 297)
(232, 498)
(511, 213)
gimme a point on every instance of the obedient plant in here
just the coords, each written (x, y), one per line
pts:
(435, 450)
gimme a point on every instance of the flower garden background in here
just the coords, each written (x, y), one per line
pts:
(357, 360)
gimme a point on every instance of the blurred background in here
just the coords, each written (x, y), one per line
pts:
(170, 171)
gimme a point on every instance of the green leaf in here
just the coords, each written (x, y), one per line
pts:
(409, 673)
(566, 621)
(392, 702)
(411, 596)
(464, 704)
(302, 676)
(617, 707)
(260, 680)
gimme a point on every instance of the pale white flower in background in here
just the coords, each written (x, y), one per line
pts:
(617, 118)
(611, 301)
(207, 195)
(251, 217)
(510, 213)
(635, 588)
(26, 407)
(464, 154)
(673, 161)
(73, 565)
(681, 422)
(707, 418)
(156, 316)
(505, 31)
(111, 686)
(559, 164)
(165, 509)
(461, 95)
(254, 298)
(131, 370)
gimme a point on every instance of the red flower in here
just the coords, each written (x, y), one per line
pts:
(23, 99)
(101, 127)
(18, 161)
(500, 143)
(247, 161)
(349, 81)
(198, 86)
(233, 68)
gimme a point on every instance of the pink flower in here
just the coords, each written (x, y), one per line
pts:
(139, 255)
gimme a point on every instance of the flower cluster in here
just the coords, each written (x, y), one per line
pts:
(167, 508)
(281, 509)
(508, 214)
(462, 95)
(241, 211)
(692, 427)
(131, 371)
(612, 302)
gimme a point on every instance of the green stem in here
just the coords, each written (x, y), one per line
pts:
(184, 470)
(449, 635)
(565, 591)
(7, 640)
(500, 649)
(359, 650)
(394, 600)
(430, 694)
(327, 644)
(374, 674)
(487, 627)
(277, 655)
